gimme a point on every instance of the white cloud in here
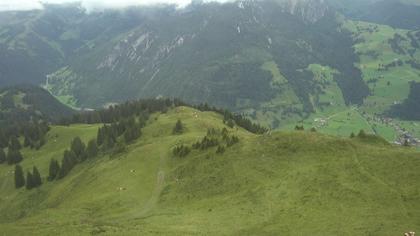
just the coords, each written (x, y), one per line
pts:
(8, 5)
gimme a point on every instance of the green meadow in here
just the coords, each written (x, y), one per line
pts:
(283, 183)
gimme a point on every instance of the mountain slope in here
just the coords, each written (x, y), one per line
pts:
(279, 62)
(283, 183)
(25, 102)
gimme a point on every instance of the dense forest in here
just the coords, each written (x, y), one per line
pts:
(410, 108)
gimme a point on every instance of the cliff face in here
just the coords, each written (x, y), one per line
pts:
(309, 10)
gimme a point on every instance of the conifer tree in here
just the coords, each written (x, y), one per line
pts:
(29, 181)
(19, 178)
(78, 147)
(92, 149)
(109, 142)
(2, 156)
(3, 140)
(27, 141)
(68, 162)
(36, 178)
(100, 136)
(179, 128)
(14, 143)
(13, 157)
(362, 134)
(53, 170)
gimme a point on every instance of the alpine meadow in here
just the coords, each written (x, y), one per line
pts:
(242, 117)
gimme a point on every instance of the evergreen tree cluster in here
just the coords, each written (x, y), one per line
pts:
(13, 155)
(77, 154)
(139, 108)
(230, 119)
(110, 137)
(206, 142)
(142, 108)
(299, 128)
(33, 133)
(33, 180)
(181, 151)
(129, 128)
(214, 137)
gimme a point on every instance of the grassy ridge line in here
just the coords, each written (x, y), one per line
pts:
(286, 183)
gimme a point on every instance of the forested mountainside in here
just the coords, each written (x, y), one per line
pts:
(22, 103)
(279, 62)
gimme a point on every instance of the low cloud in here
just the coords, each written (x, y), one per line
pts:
(23, 5)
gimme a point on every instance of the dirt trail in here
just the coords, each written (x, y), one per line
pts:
(160, 181)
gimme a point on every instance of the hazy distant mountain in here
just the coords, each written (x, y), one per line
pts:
(24, 103)
(277, 59)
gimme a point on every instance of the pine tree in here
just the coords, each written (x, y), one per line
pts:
(79, 148)
(119, 148)
(92, 149)
(362, 134)
(179, 128)
(53, 170)
(27, 141)
(352, 135)
(14, 143)
(29, 181)
(13, 157)
(100, 136)
(68, 162)
(109, 142)
(19, 178)
(3, 140)
(2, 156)
(36, 178)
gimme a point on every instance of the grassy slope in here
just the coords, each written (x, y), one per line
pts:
(371, 39)
(282, 184)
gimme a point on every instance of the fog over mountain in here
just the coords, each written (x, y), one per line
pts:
(23, 5)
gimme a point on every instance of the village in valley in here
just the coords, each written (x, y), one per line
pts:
(402, 135)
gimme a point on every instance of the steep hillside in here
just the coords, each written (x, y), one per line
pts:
(281, 183)
(215, 53)
(403, 14)
(26, 102)
(280, 62)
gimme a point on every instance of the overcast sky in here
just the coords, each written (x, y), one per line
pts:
(7, 5)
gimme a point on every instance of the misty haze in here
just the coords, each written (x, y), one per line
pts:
(191, 117)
